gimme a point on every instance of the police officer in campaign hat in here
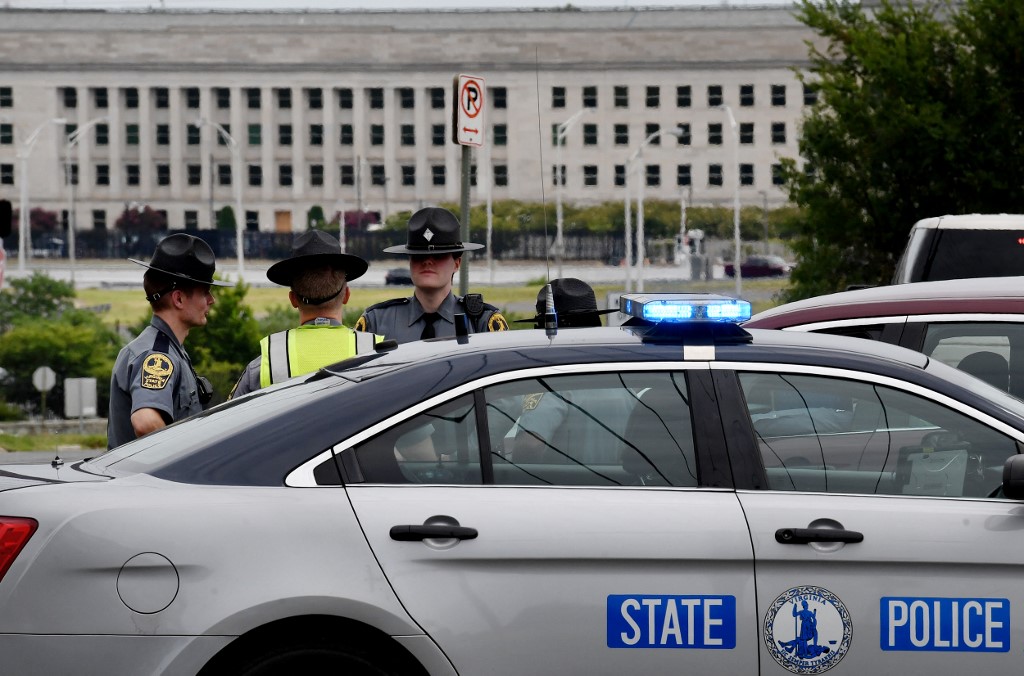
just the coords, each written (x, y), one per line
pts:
(435, 255)
(317, 273)
(153, 383)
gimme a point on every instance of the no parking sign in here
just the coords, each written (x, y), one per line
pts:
(468, 117)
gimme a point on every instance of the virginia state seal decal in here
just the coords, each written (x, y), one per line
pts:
(808, 630)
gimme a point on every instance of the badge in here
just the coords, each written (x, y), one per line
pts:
(497, 323)
(531, 401)
(156, 371)
(808, 630)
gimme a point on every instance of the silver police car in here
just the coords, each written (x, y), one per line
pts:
(676, 495)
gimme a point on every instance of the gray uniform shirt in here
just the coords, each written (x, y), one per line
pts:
(152, 371)
(401, 319)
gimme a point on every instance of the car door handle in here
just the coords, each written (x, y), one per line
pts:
(414, 533)
(803, 536)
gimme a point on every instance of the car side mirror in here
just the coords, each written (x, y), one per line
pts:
(1013, 477)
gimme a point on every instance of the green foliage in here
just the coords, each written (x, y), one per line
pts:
(9, 412)
(919, 115)
(315, 219)
(33, 298)
(278, 318)
(141, 220)
(230, 340)
(226, 218)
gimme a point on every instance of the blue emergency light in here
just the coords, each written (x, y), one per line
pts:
(684, 307)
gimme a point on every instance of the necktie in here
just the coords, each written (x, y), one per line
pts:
(428, 330)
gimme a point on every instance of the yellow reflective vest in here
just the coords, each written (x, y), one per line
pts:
(305, 349)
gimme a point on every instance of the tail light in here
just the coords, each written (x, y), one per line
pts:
(15, 531)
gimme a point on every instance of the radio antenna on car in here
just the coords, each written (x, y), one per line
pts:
(550, 314)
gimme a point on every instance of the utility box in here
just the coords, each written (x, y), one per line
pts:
(79, 397)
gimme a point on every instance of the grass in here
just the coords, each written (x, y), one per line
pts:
(43, 442)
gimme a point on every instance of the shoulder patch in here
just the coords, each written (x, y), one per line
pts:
(497, 322)
(361, 323)
(389, 303)
(156, 371)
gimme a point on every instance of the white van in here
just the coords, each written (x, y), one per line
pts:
(958, 247)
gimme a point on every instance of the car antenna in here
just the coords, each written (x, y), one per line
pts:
(550, 316)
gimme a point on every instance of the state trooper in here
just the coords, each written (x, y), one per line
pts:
(317, 273)
(153, 383)
(435, 255)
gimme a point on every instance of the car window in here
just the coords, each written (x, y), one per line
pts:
(992, 351)
(834, 435)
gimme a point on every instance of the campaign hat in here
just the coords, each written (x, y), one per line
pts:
(313, 248)
(185, 257)
(575, 304)
(433, 230)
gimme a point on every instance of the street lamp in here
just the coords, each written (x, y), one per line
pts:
(737, 273)
(641, 250)
(563, 130)
(236, 181)
(73, 139)
(23, 216)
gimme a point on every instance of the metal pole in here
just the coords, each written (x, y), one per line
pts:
(560, 135)
(641, 248)
(737, 272)
(467, 158)
(489, 178)
(24, 224)
(628, 233)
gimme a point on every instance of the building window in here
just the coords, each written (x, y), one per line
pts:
(590, 134)
(163, 134)
(558, 174)
(590, 97)
(255, 175)
(99, 219)
(345, 138)
(407, 97)
(437, 135)
(284, 175)
(223, 174)
(746, 133)
(621, 96)
(69, 96)
(376, 95)
(653, 98)
(102, 174)
(284, 134)
(437, 98)
(714, 95)
(683, 174)
(746, 95)
(6, 97)
(810, 94)
(437, 174)
(102, 134)
(221, 140)
(163, 174)
(499, 97)
(131, 97)
(377, 176)
(408, 136)
(501, 134)
(6, 134)
(746, 174)
(71, 175)
(192, 98)
(558, 97)
(195, 174)
(622, 134)
(715, 134)
(620, 175)
(777, 176)
(252, 220)
(131, 134)
(99, 97)
(684, 137)
(778, 132)
(715, 174)
(316, 175)
(345, 98)
(252, 98)
(192, 134)
(684, 96)
(314, 98)
(590, 174)
(131, 173)
(223, 97)
(316, 134)
(191, 219)
(555, 140)
(652, 128)
(408, 174)
(376, 134)
(162, 97)
(284, 98)
(501, 175)
(778, 95)
(255, 135)
(347, 174)
(652, 175)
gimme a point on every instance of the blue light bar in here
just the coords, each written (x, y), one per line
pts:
(684, 307)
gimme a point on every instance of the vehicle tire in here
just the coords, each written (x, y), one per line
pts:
(311, 659)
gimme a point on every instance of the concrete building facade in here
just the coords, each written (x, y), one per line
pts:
(187, 112)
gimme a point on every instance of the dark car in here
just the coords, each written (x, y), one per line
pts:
(398, 276)
(675, 495)
(975, 324)
(760, 266)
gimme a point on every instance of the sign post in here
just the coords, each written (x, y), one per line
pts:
(44, 379)
(467, 131)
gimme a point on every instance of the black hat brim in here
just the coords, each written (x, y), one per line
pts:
(284, 271)
(404, 249)
(211, 282)
(569, 313)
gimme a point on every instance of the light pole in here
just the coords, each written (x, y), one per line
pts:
(23, 216)
(764, 218)
(236, 182)
(641, 249)
(736, 271)
(72, 141)
(563, 130)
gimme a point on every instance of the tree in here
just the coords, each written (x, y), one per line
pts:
(230, 340)
(226, 219)
(144, 220)
(315, 219)
(34, 298)
(919, 115)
